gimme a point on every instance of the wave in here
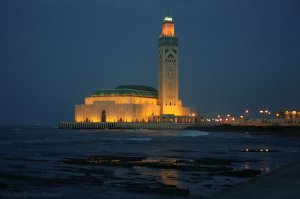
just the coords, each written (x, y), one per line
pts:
(53, 141)
(36, 141)
(190, 133)
(128, 139)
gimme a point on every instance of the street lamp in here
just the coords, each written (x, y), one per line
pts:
(246, 115)
(264, 113)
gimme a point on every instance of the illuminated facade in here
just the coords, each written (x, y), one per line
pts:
(288, 115)
(287, 118)
(123, 104)
(134, 103)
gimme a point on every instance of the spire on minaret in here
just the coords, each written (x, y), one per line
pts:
(168, 17)
(168, 12)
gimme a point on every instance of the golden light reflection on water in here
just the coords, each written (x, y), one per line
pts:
(264, 168)
(169, 177)
(246, 166)
(165, 176)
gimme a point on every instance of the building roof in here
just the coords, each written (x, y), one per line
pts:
(127, 90)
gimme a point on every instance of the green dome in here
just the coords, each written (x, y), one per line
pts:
(128, 90)
(137, 87)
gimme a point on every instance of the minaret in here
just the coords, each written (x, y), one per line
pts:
(168, 68)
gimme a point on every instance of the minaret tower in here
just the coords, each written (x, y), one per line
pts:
(168, 68)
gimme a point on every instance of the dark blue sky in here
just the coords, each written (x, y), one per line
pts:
(234, 54)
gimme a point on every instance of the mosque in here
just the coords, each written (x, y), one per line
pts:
(137, 103)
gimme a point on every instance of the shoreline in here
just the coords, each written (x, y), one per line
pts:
(280, 183)
(274, 130)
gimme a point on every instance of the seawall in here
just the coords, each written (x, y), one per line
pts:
(128, 125)
(280, 130)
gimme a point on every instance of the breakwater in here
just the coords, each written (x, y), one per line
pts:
(287, 130)
(129, 125)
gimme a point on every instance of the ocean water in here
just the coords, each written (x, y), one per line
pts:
(56, 163)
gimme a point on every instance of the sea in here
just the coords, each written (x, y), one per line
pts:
(46, 162)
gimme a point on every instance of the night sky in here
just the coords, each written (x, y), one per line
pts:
(233, 54)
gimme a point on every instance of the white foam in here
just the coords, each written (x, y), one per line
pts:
(190, 133)
(129, 139)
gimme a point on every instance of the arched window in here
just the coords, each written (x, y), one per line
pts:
(170, 58)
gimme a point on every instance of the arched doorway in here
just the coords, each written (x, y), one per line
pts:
(103, 116)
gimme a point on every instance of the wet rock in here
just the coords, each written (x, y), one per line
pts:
(246, 173)
(24, 159)
(182, 151)
(20, 177)
(226, 185)
(78, 161)
(208, 185)
(158, 188)
(35, 171)
(16, 166)
(114, 159)
(124, 161)
(204, 165)
(214, 161)
(3, 186)
(97, 171)
(42, 181)
(200, 165)
(77, 180)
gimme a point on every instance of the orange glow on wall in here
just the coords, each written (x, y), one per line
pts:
(118, 109)
(167, 29)
(121, 100)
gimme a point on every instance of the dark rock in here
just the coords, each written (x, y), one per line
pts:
(3, 186)
(246, 173)
(159, 188)
(214, 161)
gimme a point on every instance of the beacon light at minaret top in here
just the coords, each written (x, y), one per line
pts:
(168, 26)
